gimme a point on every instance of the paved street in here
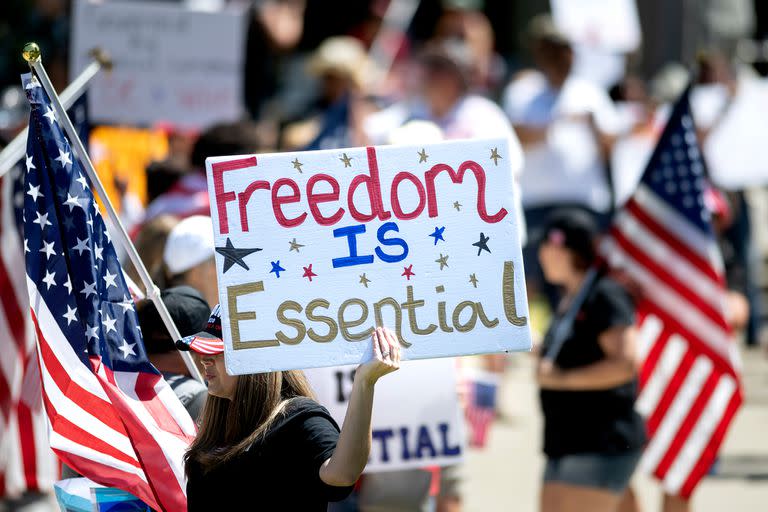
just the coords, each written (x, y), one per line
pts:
(506, 475)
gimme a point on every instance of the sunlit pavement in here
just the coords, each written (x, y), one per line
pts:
(506, 475)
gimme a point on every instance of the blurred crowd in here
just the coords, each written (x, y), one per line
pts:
(584, 121)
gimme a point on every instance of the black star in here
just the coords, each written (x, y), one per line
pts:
(482, 244)
(232, 255)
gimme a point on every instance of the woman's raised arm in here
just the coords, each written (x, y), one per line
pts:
(354, 446)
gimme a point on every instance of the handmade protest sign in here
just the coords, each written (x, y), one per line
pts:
(406, 433)
(315, 249)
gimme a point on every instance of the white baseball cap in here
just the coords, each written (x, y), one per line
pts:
(189, 244)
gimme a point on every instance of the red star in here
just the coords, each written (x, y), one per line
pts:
(408, 272)
(308, 272)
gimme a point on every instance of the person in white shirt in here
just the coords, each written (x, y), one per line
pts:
(444, 98)
(567, 126)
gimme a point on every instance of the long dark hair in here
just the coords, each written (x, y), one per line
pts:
(229, 427)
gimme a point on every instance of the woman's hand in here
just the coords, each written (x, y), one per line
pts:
(386, 356)
(548, 374)
(616, 368)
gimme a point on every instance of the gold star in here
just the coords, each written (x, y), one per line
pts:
(442, 260)
(296, 164)
(457, 205)
(473, 280)
(495, 156)
(364, 280)
(347, 161)
(423, 155)
(295, 246)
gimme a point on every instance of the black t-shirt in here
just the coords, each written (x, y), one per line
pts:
(279, 473)
(594, 421)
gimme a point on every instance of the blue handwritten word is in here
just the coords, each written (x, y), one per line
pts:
(351, 232)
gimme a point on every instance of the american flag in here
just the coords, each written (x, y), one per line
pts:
(111, 415)
(663, 239)
(27, 463)
(481, 406)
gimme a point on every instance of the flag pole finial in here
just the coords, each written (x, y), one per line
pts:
(31, 52)
(102, 57)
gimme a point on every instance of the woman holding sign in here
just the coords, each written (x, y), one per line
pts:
(592, 435)
(265, 444)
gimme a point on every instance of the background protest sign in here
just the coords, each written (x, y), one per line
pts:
(426, 430)
(171, 64)
(734, 148)
(316, 248)
(612, 25)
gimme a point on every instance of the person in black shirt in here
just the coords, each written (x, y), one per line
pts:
(592, 435)
(265, 444)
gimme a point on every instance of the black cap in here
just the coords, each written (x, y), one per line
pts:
(188, 309)
(573, 229)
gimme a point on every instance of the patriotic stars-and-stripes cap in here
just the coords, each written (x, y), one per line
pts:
(208, 341)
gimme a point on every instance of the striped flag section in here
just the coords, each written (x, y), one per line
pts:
(482, 387)
(663, 240)
(27, 464)
(111, 415)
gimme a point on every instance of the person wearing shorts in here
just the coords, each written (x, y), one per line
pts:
(593, 437)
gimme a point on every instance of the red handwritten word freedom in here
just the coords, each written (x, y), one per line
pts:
(372, 182)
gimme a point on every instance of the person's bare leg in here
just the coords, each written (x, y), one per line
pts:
(672, 503)
(573, 498)
(628, 502)
(550, 497)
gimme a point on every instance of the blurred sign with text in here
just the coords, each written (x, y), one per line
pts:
(416, 420)
(612, 25)
(171, 64)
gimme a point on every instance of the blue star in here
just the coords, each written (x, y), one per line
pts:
(276, 268)
(438, 234)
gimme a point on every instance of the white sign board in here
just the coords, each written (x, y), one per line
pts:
(427, 429)
(611, 25)
(314, 249)
(734, 150)
(171, 64)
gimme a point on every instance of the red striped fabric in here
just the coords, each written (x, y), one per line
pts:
(678, 245)
(480, 411)
(673, 413)
(658, 269)
(27, 463)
